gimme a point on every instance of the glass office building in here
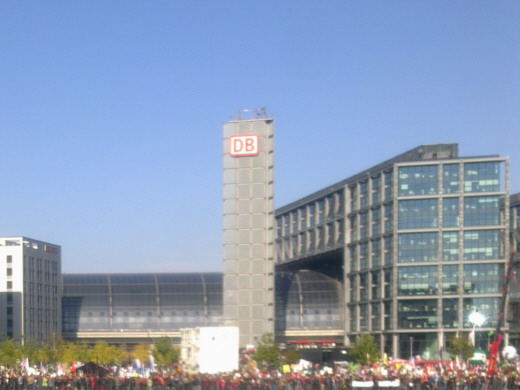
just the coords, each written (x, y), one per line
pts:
(417, 242)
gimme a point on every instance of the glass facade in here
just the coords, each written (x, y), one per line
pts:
(417, 314)
(307, 299)
(115, 302)
(482, 245)
(417, 247)
(450, 246)
(481, 211)
(432, 224)
(483, 176)
(418, 180)
(483, 278)
(450, 178)
(417, 280)
(450, 212)
(418, 214)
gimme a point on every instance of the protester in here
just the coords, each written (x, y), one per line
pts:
(392, 376)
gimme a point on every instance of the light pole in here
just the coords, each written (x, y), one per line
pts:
(411, 347)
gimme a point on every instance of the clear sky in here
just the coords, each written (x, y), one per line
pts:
(111, 112)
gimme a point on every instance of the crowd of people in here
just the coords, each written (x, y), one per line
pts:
(377, 377)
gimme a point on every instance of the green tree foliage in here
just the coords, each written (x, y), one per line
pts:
(68, 352)
(291, 356)
(267, 352)
(31, 350)
(9, 352)
(141, 351)
(365, 350)
(103, 353)
(164, 353)
(460, 346)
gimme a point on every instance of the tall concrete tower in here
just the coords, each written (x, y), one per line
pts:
(248, 225)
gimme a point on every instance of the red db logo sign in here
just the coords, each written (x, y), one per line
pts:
(243, 145)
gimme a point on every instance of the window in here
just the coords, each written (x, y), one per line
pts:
(387, 241)
(353, 228)
(450, 178)
(388, 185)
(376, 221)
(376, 253)
(388, 315)
(450, 279)
(417, 247)
(353, 289)
(321, 211)
(376, 316)
(417, 314)
(388, 217)
(331, 207)
(483, 278)
(450, 246)
(481, 211)
(294, 221)
(418, 214)
(450, 211)
(450, 318)
(353, 258)
(417, 280)
(483, 176)
(376, 189)
(363, 318)
(353, 198)
(9, 259)
(340, 202)
(363, 194)
(363, 263)
(487, 306)
(418, 180)
(363, 225)
(312, 215)
(481, 245)
(303, 219)
(376, 287)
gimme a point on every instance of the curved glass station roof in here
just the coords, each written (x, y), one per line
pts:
(169, 301)
(308, 299)
(141, 301)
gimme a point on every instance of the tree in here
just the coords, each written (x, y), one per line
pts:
(103, 353)
(461, 346)
(267, 352)
(141, 352)
(9, 352)
(165, 353)
(291, 356)
(365, 349)
(68, 352)
(31, 350)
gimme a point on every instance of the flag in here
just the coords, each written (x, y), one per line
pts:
(152, 362)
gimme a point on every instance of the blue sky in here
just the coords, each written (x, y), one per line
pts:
(111, 112)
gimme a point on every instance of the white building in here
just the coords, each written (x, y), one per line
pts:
(30, 289)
